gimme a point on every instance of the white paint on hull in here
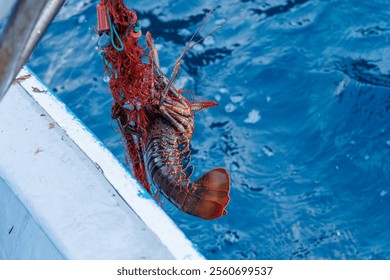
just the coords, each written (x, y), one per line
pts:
(83, 199)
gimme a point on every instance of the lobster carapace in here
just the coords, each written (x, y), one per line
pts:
(156, 120)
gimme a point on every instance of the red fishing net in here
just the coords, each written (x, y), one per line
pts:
(130, 78)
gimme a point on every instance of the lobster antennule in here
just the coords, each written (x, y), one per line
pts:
(211, 193)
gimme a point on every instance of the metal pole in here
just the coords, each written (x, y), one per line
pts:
(49, 12)
(23, 31)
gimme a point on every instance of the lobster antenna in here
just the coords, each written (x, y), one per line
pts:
(208, 34)
(187, 48)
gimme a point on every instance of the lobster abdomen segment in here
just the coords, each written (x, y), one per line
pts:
(167, 164)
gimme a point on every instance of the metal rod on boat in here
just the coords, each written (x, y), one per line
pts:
(21, 34)
(15, 36)
(49, 12)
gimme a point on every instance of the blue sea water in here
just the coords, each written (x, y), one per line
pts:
(302, 125)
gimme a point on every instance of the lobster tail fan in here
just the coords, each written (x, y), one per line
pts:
(211, 193)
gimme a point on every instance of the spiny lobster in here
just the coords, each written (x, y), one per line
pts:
(167, 149)
(158, 122)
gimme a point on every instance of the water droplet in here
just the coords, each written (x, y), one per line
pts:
(145, 22)
(217, 97)
(383, 193)
(198, 48)
(237, 98)
(268, 99)
(268, 151)
(129, 107)
(366, 157)
(253, 117)
(220, 21)
(104, 40)
(388, 143)
(81, 19)
(353, 142)
(229, 108)
(184, 32)
(231, 237)
(209, 41)
(95, 36)
(107, 76)
(223, 90)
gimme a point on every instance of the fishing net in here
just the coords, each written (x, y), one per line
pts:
(129, 78)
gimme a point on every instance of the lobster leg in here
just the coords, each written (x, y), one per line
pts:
(156, 62)
(172, 120)
(199, 106)
(153, 50)
(174, 74)
(178, 116)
